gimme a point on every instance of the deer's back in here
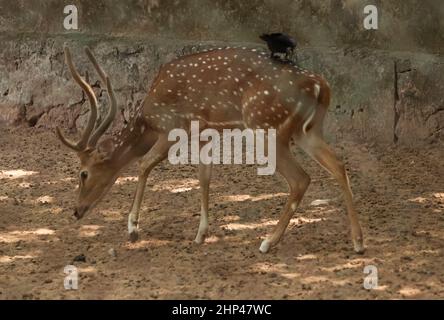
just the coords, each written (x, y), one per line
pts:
(230, 87)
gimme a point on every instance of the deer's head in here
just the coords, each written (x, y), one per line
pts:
(97, 169)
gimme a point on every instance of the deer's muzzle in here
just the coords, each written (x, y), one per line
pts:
(80, 212)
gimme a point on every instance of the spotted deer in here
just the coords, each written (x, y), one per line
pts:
(231, 87)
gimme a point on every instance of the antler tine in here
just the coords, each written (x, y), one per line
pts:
(109, 117)
(113, 107)
(82, 143)
(65, 141)
(96, 65)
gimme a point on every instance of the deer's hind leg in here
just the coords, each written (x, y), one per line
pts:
(298, 181)
(319, 150)
(156, 154)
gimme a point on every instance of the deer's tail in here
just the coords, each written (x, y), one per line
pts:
(316, 118)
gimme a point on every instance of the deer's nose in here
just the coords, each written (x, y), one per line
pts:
(76, 214)
(79, 212)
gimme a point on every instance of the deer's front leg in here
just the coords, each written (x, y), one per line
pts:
(204, 182)
(156, 154)
(133, 218)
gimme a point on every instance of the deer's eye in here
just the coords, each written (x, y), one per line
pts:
(83, 175)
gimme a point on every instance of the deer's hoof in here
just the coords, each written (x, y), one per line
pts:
(133, 236)
(358, 246)
(265, 246)
(200, 238)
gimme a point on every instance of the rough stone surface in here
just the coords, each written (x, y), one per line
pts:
(408, 25)
(419, 103)
(387, 85)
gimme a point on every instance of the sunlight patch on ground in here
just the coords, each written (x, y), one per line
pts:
(291, 275)
(418, 199)
(111, 215)
(409, 291)
(413, 253)
(307, 257)
(183, 189)
(44, 200)
(246, 243)
(212, 239)
(320, 210)
(300, 221)
(25, 235)
(230, 218)
(428, 233)
(314, 279)
(245, 197)
(43, 231)
(7, 259)
(25, 185)
(56, 210)
(54, 182)
(147, 244)
(86, 269)
(352, 264)
(176, 186)
(380, 288)
(432, 252)
(123, 180)
(91, 230)
(15, 174)
(319, 279)
(247, 226)
(270, 267)
(320, 202)
(439, 195)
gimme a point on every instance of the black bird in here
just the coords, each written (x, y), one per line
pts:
(279, 43)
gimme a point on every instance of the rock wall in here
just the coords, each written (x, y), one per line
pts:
(404, 25)
(387, 84)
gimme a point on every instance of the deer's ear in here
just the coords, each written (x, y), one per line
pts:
(106, 148)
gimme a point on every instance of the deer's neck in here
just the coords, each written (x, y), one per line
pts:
(132, 142)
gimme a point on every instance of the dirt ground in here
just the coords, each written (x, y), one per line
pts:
(399, 194)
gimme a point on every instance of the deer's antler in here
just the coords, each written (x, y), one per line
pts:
(88, 138)
(113, 106)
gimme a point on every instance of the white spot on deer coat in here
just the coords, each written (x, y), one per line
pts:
(317, 90)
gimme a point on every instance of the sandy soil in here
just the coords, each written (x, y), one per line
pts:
(399, 194)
